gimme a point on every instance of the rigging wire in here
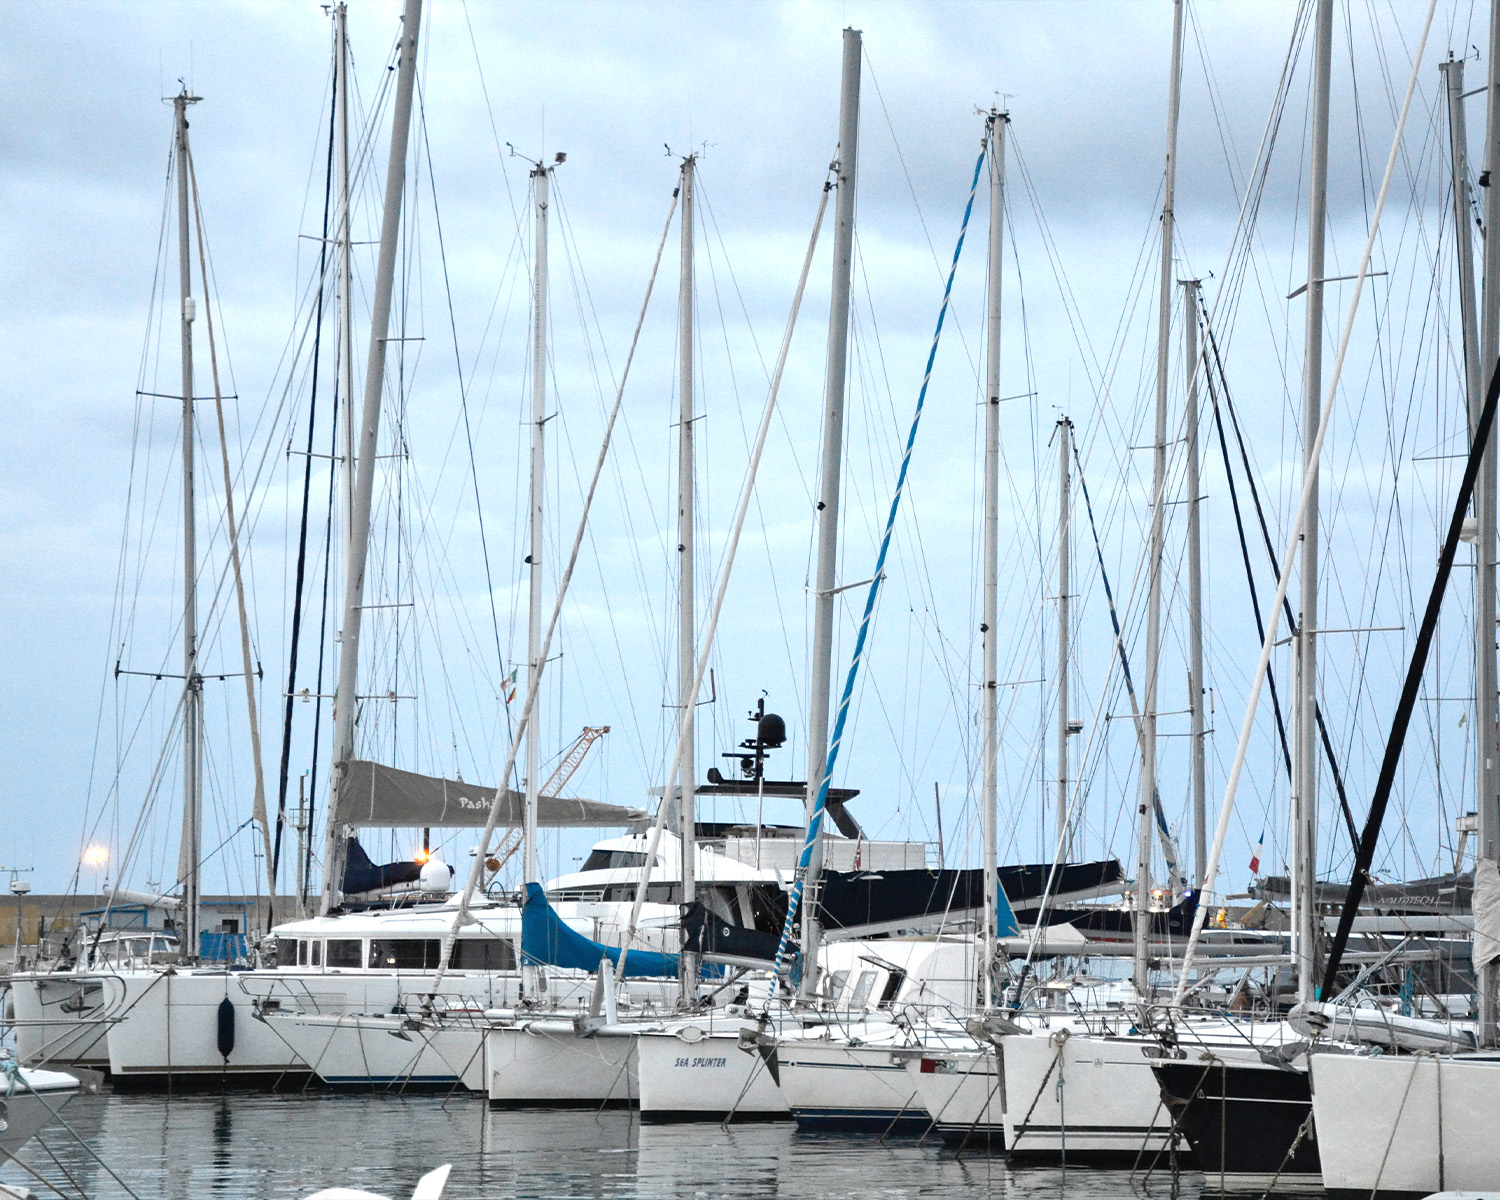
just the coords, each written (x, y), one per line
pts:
(1217, 374)
(297, 587)
(815, 819)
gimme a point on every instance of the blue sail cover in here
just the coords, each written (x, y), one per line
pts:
(546, 941)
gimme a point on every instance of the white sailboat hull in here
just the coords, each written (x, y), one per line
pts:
(171, 1021)
(171, 1025)
(697, 1074)
(548, 1063)
(1406, 1124)
(63, 1018)
(963, 1094)
(1086, 1097)
(392, 1051)
(1081, 1098)
(833, 1085)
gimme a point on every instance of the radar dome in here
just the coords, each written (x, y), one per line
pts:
(436, 876)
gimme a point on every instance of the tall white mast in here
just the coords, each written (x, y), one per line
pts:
(364, 467)
(541, 178)
(1458, 146)
(687, 638)
(828, 499)
(1488, 774)
(1474, 380)
(995, 124)
(1196, 691)
(1146, 808)
(1064, 622)
(191, 851)
(346, 273)
(1304, 719)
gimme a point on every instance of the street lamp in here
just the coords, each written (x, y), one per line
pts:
(96, 856)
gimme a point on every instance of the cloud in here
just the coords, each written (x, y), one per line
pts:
(88, 299)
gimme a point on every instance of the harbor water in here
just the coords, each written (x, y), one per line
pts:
(189, 1147)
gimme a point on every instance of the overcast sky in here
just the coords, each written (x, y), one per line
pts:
(754, 89)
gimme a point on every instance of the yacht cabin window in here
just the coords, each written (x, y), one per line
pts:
(483, 954)
(345, 952)
(405, 954)
(613, 860)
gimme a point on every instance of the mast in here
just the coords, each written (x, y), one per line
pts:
(347, 702)
(1458, 146)
(541, 177)
(1304, 720)
(1488, 804)
(828, 499)
(1474, 364)
(346, 273)
(191, 852)
(1064, 622)
(1147, 802)
(1196, 692)
(687, 641)
(995, 124)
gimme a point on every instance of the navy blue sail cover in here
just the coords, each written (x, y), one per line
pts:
(362, 875)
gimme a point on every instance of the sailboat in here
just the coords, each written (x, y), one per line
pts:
(462, 956)
(154, 1021)
(1416, 1123)
(1289, 1129)
(708, 1080)
(1069, 1092)
(540, 1059)
(858, 1078)
(547, 1057)
(696, 1070)
(65, 1013)
(358, 1051)
(1089, 1094)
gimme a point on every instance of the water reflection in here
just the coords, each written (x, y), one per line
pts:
(273, 1146)
(223, 1134)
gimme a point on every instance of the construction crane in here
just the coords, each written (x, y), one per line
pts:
(565, 771)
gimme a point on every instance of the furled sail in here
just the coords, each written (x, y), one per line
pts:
(374, 794)
(1486, 912)
(546, 941)
(868, 903)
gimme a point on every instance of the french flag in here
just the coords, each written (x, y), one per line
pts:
(1255, 854)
